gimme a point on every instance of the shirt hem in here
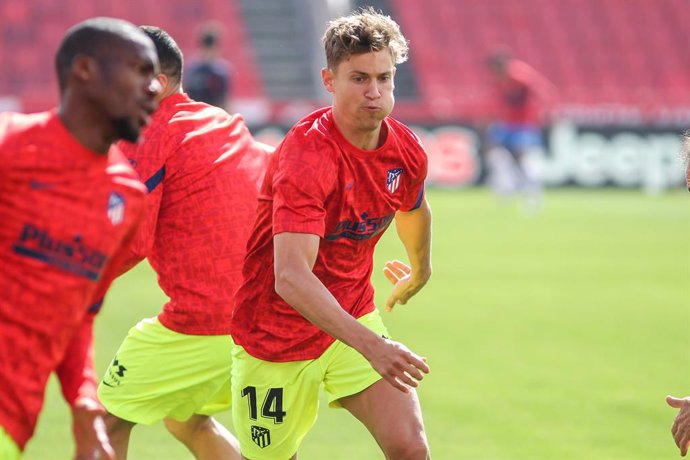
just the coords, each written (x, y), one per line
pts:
(169, 322)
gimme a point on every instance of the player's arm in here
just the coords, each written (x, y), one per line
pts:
(295, 255)
(414, 230)
(140, 243)
(76, 371)
(78, 381)
(543, 88)
(78, 378)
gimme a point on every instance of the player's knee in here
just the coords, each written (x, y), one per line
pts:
(117, 427)
(409, 448)
(186, 431)
(180, 430)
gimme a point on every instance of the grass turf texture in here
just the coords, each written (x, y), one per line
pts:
(549, 337)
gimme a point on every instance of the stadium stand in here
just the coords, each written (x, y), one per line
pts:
(615, 53)
(31, 29)
(626, 59)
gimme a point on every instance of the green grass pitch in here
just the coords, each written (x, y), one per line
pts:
(550, 337)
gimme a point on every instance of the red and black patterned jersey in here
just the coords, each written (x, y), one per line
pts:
(66, 212)
(319, 183)
(203, 169)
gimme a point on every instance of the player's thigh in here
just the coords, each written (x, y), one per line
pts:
(347, 371)
(219, 401)
(391, 416)
(274, 404)
(352, 383)
(159, 373)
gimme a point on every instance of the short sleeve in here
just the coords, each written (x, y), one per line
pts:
(415, 193)
(305, 175)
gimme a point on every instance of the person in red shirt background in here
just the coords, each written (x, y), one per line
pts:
(305, 313)
(522, 98)
(202, 169)
(69, 201)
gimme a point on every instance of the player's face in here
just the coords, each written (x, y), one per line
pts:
(362, 89)
(127, 88)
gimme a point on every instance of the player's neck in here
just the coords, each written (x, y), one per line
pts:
(169, 90)
(84, 127)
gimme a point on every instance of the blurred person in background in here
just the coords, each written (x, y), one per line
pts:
(202, 169)
(208, 76)
(69, 203)
(522, 98)
(305, 313)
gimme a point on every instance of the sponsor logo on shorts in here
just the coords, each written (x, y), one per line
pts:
(115, 374)
(261, 436)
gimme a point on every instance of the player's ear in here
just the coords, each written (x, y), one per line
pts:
(327, 79)
(163, 80)
(84, 67)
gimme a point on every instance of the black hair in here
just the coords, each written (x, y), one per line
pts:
(169, 54)
(208, 39)
(91, 38)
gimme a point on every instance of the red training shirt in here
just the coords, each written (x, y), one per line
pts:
(523, 95)
(66, 212)
(319, 183)
(203, 169)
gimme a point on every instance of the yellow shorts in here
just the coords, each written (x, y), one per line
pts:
(159, 373)
(281, 400)
(9, 450)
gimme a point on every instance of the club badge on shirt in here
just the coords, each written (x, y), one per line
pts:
(116, 208)
(393, 179)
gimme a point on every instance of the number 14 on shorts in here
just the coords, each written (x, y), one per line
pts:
(272, 406)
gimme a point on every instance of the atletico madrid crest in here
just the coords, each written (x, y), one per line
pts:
(393, 179)
(116, 208)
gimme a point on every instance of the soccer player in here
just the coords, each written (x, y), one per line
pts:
(305, 313)
(68, 203)
(203, 169)
(522, 96)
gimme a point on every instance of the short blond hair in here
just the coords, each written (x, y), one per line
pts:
(362, 32)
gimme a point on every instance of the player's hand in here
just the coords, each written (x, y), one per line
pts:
(404, 284)
(681, 426)
(398, 365)
(89, 431)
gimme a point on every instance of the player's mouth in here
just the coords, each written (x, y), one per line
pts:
(372, 108)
